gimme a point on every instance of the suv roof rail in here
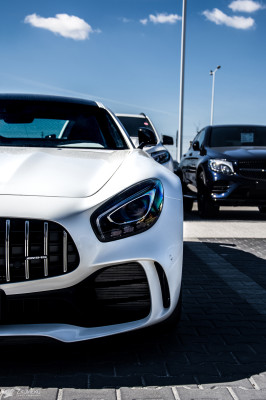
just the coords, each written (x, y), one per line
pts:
(142, 113)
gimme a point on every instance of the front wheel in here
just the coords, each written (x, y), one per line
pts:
(187, 204)
(206, 206)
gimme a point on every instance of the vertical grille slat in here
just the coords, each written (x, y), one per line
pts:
(7, 249)
(27, 233)
(34, 249)
(45, 250)
(64, 252)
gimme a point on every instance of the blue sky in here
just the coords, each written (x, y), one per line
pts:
(127, 54)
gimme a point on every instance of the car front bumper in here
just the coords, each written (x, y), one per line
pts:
(51, 305)
(235, 190)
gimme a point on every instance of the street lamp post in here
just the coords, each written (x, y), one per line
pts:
(213, 82)
(182, 77)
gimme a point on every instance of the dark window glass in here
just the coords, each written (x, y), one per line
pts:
(196, 138)
(201, 137)
(50, 125)
(132, 124)
(236, 136)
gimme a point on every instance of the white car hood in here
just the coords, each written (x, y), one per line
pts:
(56, 172)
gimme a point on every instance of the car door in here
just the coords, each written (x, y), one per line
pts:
(191, 161)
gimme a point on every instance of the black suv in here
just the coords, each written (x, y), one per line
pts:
(225, 165)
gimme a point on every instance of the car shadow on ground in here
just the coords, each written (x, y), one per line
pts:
(221, 338)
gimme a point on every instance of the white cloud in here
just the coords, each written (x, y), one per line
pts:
(126, 20)
(219, 18)
(162, 18)
(144, 21)
(248, 6)
(68, 26)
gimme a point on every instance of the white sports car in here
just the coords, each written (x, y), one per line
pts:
(91, 227)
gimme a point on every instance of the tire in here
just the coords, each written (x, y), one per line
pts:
(262, 209)
(206, 206)
(187, 204)
(187, 201)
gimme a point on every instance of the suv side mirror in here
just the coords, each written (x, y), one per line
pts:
(167, 140)
(146, 137)
(195, 146)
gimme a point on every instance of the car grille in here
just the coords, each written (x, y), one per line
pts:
(112, 295)
(34, 249)
(253, 169)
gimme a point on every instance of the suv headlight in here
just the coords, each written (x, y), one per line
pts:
(130, 212)
(222, 166)
(161, 156)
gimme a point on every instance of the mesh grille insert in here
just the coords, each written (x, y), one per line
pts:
(253, 169)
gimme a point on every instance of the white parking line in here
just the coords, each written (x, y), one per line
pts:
(223, 229)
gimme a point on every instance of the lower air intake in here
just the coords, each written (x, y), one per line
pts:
(112, 295)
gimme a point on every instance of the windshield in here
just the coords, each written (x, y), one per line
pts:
(132, 124)
(236, 136)
(49, 126)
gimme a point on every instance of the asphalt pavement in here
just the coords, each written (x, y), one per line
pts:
(218, 351)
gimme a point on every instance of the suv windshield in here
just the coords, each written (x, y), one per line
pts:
(132, 124)
(47, 125)
(231, 136)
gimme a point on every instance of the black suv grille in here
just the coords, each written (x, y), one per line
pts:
(253, 169)
(34, 249)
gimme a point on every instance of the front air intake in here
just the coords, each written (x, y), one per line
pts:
(113, 295)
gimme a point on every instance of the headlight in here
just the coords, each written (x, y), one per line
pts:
(130, 212)
(161, 156)
(222, 166)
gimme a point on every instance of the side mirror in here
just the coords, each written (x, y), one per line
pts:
(146, 137)
(167, 140)
(176, 168)
(195, 146)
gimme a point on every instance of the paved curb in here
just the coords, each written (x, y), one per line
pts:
(150, 393)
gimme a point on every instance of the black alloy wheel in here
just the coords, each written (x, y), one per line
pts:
(187, 204)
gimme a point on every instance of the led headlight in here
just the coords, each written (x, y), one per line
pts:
(222, 166)
(161, 156)
(130, 212)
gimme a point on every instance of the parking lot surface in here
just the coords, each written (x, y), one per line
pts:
(218, 351)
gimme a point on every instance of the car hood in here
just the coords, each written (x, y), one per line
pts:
(236, 153)
(56, 172)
